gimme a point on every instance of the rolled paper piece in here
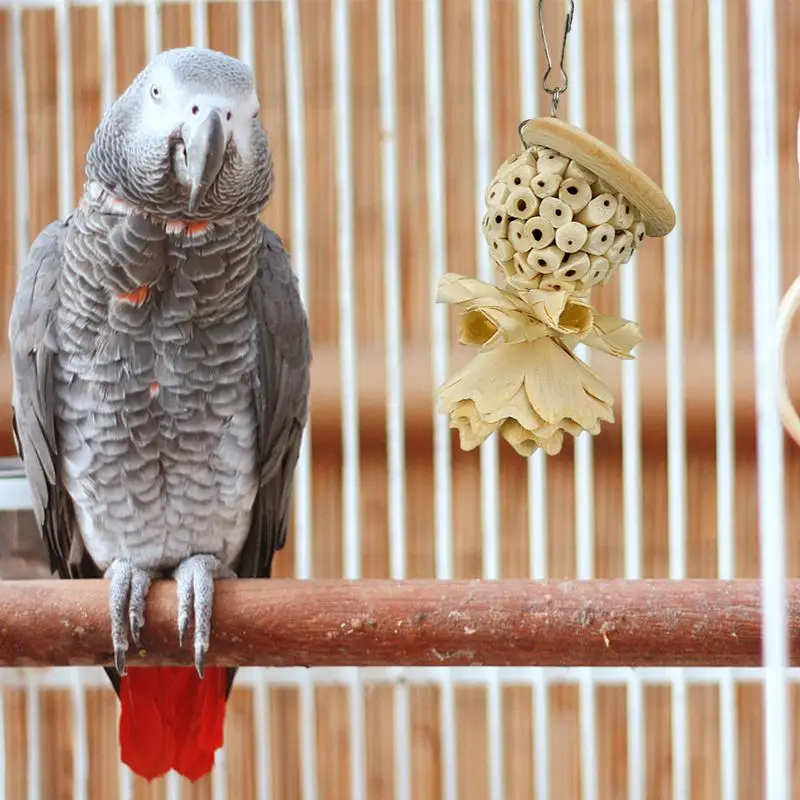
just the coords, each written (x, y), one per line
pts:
(551, 283)
(520, 175)
(624, 216)
(545, 261)
(622, 248)
(575, 170)
(599, 210)
(521, 203)
(555, 211)
(599, 239)
(575, 268)
(576, 193)
(602, 187)
(520, 239)
(502, 249)
(496, 194)
(486, 223)
(546, 185)
(551, 163)
(498, 222)
(540, 231)
(571, 237)
(506, 267)
(521, 265)
(511, 162)
(638, 231)
(599, 267)
(523, 283)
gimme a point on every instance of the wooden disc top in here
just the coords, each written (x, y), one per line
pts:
(608, 164)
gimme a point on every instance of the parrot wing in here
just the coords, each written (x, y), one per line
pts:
(281, 382)
(33, 353)
(280, 389)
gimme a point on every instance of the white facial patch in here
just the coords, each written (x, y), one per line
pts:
(169, 106)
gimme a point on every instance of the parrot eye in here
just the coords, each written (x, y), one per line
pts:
(155, 92)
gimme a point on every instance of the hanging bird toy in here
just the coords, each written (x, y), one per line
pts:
(561, 216)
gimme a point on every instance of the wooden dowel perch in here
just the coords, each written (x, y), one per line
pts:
(412, 623)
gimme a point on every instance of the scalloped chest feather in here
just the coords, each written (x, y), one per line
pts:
(155, 418)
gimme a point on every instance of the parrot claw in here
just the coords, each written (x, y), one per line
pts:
(127, 597)
(119, 661)
(183, 626)
(195, 578)
(199, 659)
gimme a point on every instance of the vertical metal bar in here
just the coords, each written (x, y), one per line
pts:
(584, 463)
(108, 41)
(246, 43)
(723, 364)
(153, 27)
(295, 107)
(33, 739)
(676, 428)
(125, 783)
(219, 776)
(393, 309)
(3, 777)
(348, 355)
(16, 69)
(261, 699)
(66, 173)
(443, 484)
(80, 741)
(173, 786)
(490, 466)
(537, 463)
(766, 243)
(631, 402)
(200, 23)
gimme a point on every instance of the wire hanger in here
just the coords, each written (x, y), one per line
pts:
(556, 91)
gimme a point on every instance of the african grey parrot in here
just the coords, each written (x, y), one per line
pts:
(160, 354)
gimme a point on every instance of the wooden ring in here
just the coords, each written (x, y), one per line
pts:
(608, 164)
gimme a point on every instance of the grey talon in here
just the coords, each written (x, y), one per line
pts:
(127, 596)
(199, 659)
(195, 583)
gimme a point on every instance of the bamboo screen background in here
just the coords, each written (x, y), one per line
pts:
(380, 496)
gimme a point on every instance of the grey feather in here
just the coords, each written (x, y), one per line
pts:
(33, 347)
(281, 383)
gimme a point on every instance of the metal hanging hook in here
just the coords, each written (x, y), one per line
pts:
(556, 91)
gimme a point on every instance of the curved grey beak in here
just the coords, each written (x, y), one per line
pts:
(205, 152)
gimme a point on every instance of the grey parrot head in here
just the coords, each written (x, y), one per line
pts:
(184, 140)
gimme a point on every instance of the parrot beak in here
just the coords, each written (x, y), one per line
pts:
(205, 152)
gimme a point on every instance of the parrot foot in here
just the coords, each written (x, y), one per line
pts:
(195, 578)
(127, 598)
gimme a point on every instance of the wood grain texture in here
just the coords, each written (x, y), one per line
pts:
(461, 226)
(415, 623)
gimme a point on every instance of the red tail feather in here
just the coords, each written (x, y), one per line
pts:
(171, 719)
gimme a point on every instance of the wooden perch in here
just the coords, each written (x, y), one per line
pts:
(412, 623)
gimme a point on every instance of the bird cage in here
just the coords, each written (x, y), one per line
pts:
(388, 122)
